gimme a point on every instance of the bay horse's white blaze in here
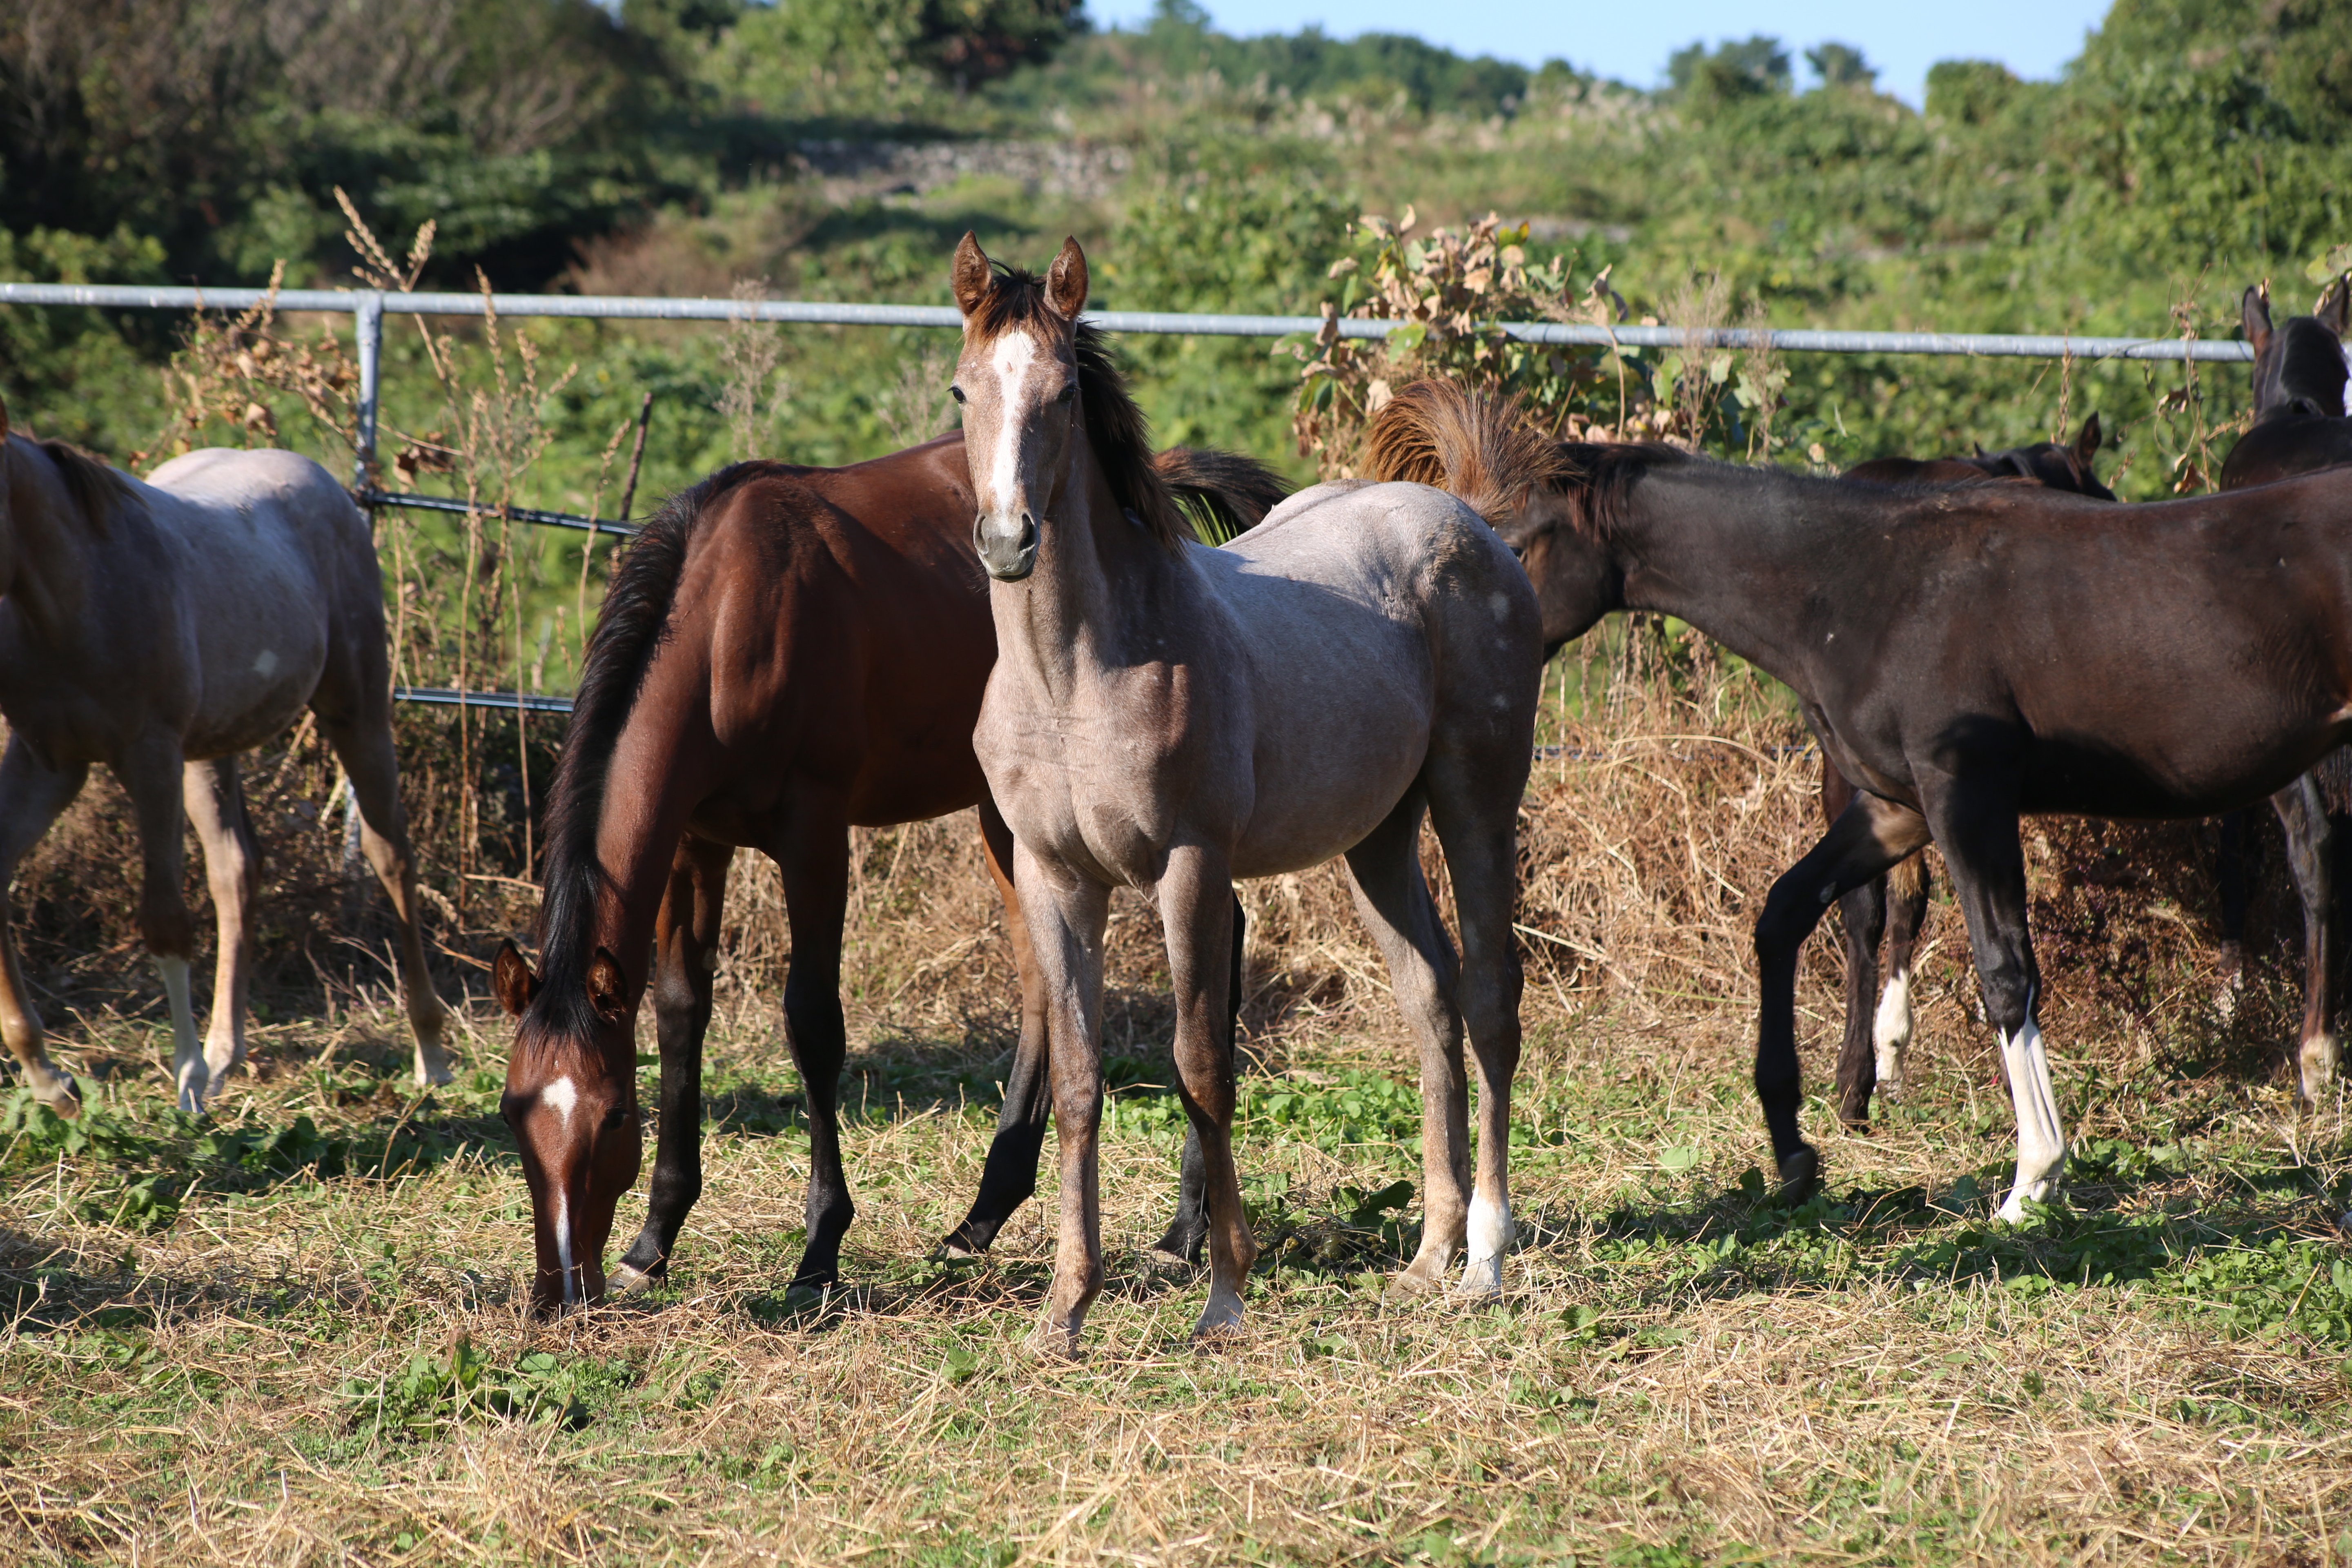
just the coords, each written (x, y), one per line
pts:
(159, 629)
(1891, 1030)
(563, 1094)
(563, 1246)
(2041, 1139)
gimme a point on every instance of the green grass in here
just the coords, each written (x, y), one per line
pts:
(291, 1333)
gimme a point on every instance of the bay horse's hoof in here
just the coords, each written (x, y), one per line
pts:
(1221, 1321)
(55, 1090)
(1801, 1175)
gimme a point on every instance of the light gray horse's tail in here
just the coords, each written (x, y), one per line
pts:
(1222, 493)
(1479, 446)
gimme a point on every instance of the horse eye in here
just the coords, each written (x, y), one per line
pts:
(1069, 390)
(955, 392)
(614, 1117)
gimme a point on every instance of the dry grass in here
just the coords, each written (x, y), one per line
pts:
(1681, 1373)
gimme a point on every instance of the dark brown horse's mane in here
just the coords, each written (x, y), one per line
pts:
(1120, 435)
(1592, 481)
(1480, 446)
(630, 630)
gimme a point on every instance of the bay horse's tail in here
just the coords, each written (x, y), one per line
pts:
(1479, 446)
(1222, 493)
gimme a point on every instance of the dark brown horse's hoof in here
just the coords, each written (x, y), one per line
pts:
(1801, 1176)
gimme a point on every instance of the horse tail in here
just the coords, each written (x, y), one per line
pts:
(631, 626)
(1221, 493)
(1480, 446)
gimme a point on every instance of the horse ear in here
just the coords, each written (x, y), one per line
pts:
(970, 274)
(2254, 315)
(608, 988)
(513, 980)
(3, 421)
(1066, 281)
(2086, 443)
(2335, 304)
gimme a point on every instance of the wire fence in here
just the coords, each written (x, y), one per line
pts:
(369, 307)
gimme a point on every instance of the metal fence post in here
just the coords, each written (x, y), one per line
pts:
(368, 320)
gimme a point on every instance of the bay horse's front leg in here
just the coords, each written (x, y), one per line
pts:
(1066, 914)
(150, 771)
(1976, 826)
(2310, 855)
(215, 803)
(32, 796)
(1196, 896)
(686, 964)
(1010, 1174)
(1868, 836)
(812, 857)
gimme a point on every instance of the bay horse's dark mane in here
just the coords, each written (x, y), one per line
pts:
(1120, 434)
(630, 630)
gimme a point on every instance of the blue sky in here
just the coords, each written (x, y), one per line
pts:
(1631, 42)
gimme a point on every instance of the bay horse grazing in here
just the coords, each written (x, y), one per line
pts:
(1893, 907)
(159, 629)
(1969, 656)
(1168, 717)
(785, 652)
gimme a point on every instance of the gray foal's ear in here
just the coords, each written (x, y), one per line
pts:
(969, 277)
(1066, 281)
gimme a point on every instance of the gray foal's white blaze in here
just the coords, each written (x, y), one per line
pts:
(1891, 1030)
(1010, 357)
(2041, 1139)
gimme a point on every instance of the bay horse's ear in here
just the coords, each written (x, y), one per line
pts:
(1066, 281)
(2254, 315)
(513, 980)
(608, 989)
(2332, 310)
(2086, 443)
(970, 274)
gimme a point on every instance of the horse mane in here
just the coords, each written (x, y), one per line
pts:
(1593, 480)
(90, 483)
(630, 630)
(1224, 493)
(1116, 427)
(1479, 446)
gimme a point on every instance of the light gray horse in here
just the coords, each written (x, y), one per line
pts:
(159, 629)
(1168, 716)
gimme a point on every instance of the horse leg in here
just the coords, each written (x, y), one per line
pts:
(1067, 915)
(2311, 854)
(1862, 915)
(363, 745)
(150, 770)
(812, 857)
(215, 805)
(1976, 827)
(1188, 1232)
(1200, 960)
(1479, 830)
(2236, 862)
(1393, 901)
(1869, 835)
(686, 961)
(1009, 1176)
(1906, 912)
(32, 796)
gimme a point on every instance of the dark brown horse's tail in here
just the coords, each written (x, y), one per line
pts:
(1479, 446)
(1222, 493)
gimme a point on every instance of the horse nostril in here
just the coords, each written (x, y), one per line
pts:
(1028, 531)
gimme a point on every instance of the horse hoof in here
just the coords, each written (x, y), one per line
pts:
(1161, 1260)
(627, 1279)
(1801, 1175)
(1480, 1278)
(1221, 1320)
(1409, 1286)
(952, 1251)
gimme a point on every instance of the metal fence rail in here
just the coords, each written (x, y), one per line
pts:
(369, 307)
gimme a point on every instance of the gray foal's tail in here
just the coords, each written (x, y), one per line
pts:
(1479, 446)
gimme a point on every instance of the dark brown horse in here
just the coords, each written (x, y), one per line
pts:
(786, 653)
(1893, 907)
(1969, 656)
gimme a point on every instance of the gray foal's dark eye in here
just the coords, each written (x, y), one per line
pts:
(955, 392)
